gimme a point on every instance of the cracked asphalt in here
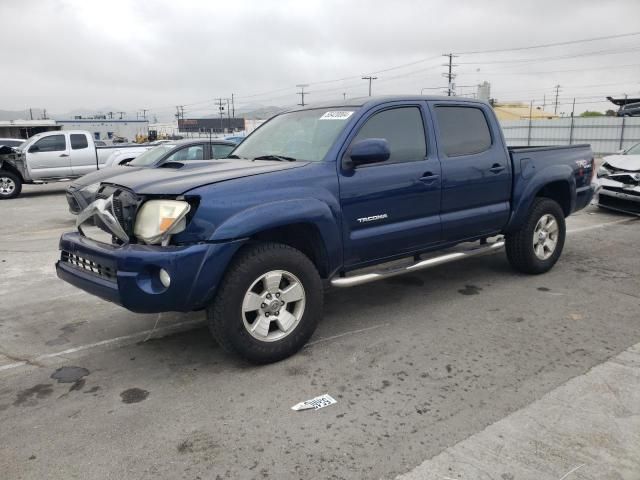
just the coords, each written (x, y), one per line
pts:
(417, 363)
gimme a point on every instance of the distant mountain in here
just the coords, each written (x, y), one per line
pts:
(21, 114)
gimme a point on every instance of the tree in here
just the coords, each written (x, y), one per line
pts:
(587, 113)
(610, 113)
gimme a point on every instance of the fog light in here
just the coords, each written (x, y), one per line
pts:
(165, 278)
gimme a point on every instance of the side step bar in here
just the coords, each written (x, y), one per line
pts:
(343, 282)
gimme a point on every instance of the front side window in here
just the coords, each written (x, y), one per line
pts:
(463, 130)
(194, 152)
(221, 151)
(402, 128)
(54, 143)
(303, 135)
(78, 141)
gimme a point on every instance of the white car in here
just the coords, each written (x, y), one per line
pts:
(619, 181)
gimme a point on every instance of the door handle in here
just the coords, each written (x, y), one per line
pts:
(64, 154)
(429, 178)
(496, 168)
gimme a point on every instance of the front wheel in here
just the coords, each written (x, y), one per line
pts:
(10, 185)
(537, 245)
(268, 304)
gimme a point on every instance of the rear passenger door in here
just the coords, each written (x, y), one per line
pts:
(476, 170)
(48, 157)
(82, 154)
(391, 208)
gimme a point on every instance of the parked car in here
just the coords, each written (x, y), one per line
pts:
(235, 140)
(629, 110)
(329, 194)
(83, 191)
(53, 156)
(11, 142)
(619, 181)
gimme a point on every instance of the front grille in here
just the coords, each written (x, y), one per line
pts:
(89, 266)
(622, 190)
(73, 203)
(124, 205)
(619, 204)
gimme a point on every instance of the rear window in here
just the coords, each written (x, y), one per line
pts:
(78, 141)
(463, 130)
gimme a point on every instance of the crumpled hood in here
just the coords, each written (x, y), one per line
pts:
(624, 162)
(176, 181)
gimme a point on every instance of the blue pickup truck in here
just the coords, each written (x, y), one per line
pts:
(340, 194)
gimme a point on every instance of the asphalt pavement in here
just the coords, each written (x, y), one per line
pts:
(417, 363)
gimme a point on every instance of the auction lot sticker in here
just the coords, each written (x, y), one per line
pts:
(315, 403)
(336, 115)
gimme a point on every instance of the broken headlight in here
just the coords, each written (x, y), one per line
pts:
(157, 220)
(604, 171)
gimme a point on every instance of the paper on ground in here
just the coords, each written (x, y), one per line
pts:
(315, 403)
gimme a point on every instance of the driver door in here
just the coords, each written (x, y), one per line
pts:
(49, 157)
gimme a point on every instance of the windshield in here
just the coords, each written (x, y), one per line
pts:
(152, 155)
(303, 135)
(635, 150)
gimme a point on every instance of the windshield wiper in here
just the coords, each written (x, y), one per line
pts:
(280, 158)
(233, 156)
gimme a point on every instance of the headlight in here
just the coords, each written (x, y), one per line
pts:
(158, 219)
(603, 171)
(92, 189)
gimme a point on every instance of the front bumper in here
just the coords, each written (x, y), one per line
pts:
(128, 275)
(618, 196)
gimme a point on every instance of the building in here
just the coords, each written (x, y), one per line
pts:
(221, 125)
(101, 128)
(520, 111)
(26, 128)
(106, 129)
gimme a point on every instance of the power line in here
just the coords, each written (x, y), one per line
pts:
(559, 57)
(555, 44)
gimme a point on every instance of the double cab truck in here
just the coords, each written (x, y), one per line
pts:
(54, 156)
(335, 195)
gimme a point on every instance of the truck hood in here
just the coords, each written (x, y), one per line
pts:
(176, 181)
(624, 162)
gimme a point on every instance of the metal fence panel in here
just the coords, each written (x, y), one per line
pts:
(606, 135)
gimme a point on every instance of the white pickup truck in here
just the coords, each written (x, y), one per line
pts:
(55, 156)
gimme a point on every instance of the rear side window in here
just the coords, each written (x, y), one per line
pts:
(463, 130)
(402, 128)
(78, 141)
(54, 143)
(221, 151)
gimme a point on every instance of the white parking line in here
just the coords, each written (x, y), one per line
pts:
(158, 332)
(174, 328)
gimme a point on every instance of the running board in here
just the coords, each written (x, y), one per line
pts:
(343, 282)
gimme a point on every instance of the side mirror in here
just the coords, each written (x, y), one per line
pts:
(34, 148)
(369, 150)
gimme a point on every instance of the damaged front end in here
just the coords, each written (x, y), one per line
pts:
(618, 189)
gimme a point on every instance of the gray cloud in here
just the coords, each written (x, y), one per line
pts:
(63, 54)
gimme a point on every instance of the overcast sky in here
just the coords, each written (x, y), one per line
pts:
(130, 55)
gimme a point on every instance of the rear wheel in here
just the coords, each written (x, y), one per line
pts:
(537, 245)
(268, 304)
(10, 185)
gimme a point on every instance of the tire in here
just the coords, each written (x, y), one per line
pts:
(246, 306)
(10, 185)
(522, 252)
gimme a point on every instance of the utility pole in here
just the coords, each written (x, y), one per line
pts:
(110, 115)
(555, 108)
(233, 106)
(302, 93)
(450, 76)
(344, 96)
(144, 113)
(44, 114)
(228, 115)
(371, 79)
(121, 114)
(30, 113)
(221, 111)
(544, 101)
